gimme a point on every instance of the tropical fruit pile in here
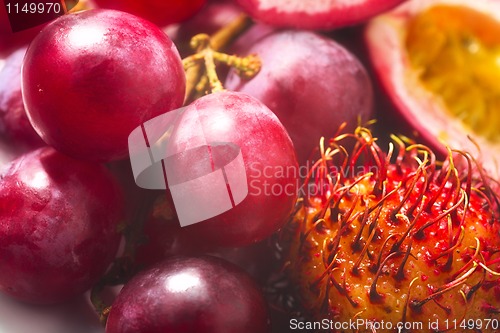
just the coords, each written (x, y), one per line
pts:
(218, 166)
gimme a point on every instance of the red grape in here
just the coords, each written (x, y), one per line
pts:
(188, 295)
(90, 78)
(14, 123)
(256, 32)
(319, 14)
(311, 83)
(269, 165)
(58, 226)
(160, 12)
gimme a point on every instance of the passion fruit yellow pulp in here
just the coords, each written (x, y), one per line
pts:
(439, 62)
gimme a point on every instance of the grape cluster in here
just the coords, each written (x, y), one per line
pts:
(84, 83)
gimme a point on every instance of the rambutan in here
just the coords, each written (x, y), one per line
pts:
(396, 241)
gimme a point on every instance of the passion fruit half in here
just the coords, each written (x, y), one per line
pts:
(439, 62)
(315, 14)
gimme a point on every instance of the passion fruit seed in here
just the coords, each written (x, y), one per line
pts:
(397, 237)
(461, 65)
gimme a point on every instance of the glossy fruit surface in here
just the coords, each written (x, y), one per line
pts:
(58, 226)
(90, 78)
(311, 83)
(437, 61)
(320, 15)
(160, 12)
(14, 123)
(215, 131)
(398, 238)
(188, 295)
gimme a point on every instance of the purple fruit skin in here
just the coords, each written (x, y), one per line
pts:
(84, 96)
(311, 83)
(59, 221)
(269, 160)
(14, 123)
(189, 295)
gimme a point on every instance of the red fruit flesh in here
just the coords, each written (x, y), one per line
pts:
(437, 62)
(318, 15)
(397, 238)
(311, 83)
(58, 226)
(160, 12)
(270, 166)
(14, 123)
(90, 78)
(189, 295)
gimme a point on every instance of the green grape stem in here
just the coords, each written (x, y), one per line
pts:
(202, 63)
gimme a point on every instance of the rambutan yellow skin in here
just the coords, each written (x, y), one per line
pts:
(398, 239)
